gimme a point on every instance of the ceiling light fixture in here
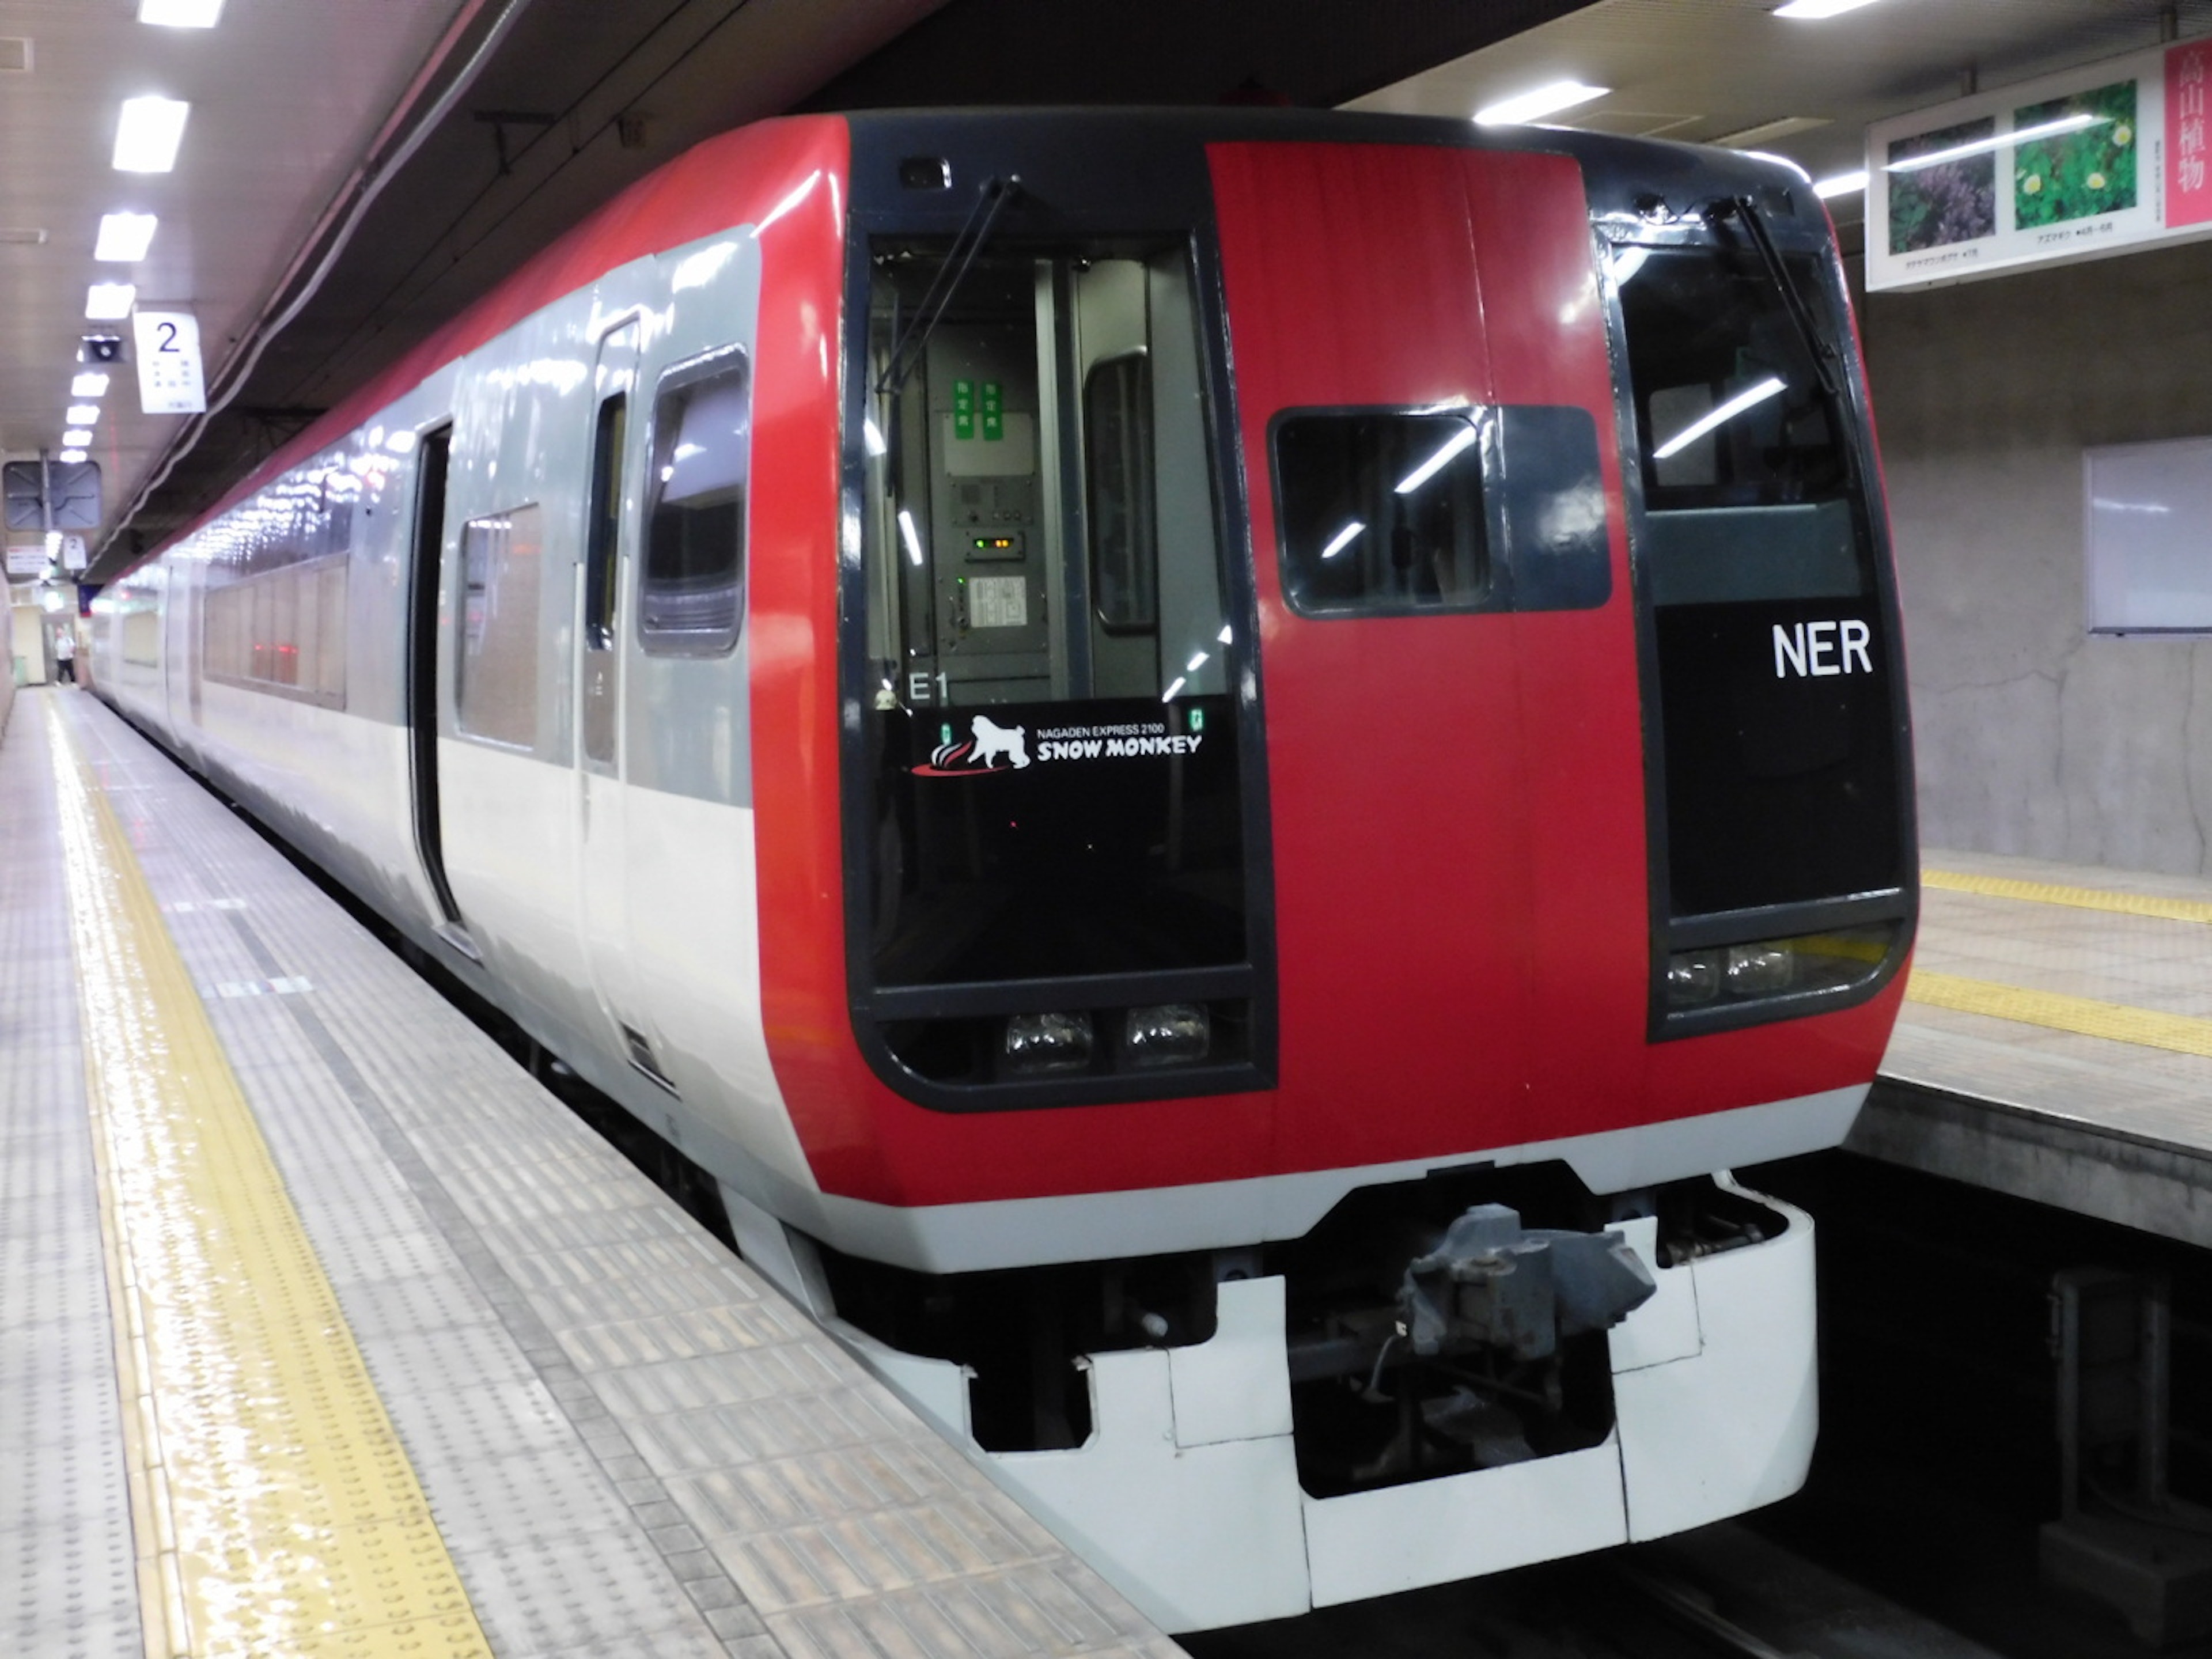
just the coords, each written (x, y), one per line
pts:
(82, 414)
(110, 302)
(1815, 9)
(181, 14)
(2019, 135)
(69, 457)
(88, 386)
(146, 137)
(76, 437)
(1844, 183)
(1535, 104)
(124, 237)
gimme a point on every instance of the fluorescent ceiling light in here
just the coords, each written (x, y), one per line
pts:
(2018, 135)
(1844, 183)
(906, 535)
(82, 414)
(110, 302)
(76, 437)
(69, 457)
(181, 14)
(1820, 8)
(124, 237)
(146, 139)
(1728, 411)
(88, 386)
(1436, 463)
(1534, 105)
(1345, 538)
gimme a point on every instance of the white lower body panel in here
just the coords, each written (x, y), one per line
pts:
(950, 1238)
(1187, 1497)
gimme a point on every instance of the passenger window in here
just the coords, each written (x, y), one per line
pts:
(274, 614)
(691, 592)
(496, 669)
(1117, 435)
(1381, 513)
(605, 511)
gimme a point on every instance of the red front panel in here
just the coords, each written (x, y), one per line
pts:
(1458, 798)
(1457, 801)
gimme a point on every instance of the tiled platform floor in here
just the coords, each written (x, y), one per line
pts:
(2119, 1129)
(631, 1444)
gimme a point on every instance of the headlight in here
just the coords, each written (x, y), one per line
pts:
(1760, 970)
(1692, 977)
(1809, 962)
(1048, 1043)
(1172, 1034)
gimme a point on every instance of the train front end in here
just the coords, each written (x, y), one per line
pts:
(1370, 771)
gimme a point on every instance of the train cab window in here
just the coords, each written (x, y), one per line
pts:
(1381, 513)
(1746, 476)
(1780, 767)
(691, 589)
(1117, 441)
(1051, 660)
(496, 669)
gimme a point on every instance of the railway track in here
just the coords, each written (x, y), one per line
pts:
(1720, 1593)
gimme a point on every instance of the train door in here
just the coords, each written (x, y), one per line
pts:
(601, 836)
(425, 681)
(1453, 735)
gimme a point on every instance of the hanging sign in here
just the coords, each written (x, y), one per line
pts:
(168, 352)
(2104, 159)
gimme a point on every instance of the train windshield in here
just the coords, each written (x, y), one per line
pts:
(1777, 706)
(1052, 742)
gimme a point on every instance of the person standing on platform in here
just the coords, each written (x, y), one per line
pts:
(65, 654)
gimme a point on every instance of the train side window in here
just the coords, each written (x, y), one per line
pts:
(497, 666)
(1117, 436)
(273, 612)
(1381, 513)
(605, 515)
(691, 591)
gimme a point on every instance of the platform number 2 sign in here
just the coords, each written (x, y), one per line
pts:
(168, 352)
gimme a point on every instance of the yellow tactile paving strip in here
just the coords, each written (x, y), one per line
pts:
(276, 1511)
(2082, 898)
(2146, 1028)
(2118, 1021)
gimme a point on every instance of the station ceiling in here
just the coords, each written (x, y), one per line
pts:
(355, 171)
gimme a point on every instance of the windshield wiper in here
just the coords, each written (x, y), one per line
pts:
(992, 200)
(1826, 363)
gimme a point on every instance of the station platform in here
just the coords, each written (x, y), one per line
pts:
(326, 1331)
(2055, 1041)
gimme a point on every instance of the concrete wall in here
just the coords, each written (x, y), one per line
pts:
(2032, 737)
(6, 657)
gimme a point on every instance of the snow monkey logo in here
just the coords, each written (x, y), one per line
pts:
(988, 744)
(991, 748)
(997, 742)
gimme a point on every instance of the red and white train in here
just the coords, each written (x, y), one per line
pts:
(1216, 763)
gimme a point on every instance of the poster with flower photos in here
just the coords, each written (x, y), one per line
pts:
(2095, 160)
